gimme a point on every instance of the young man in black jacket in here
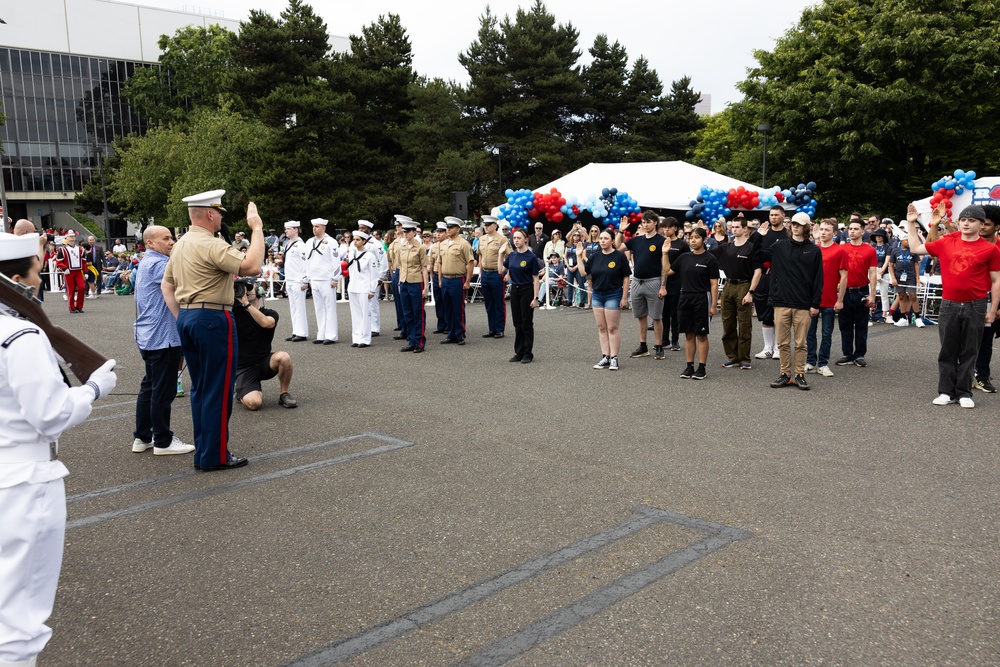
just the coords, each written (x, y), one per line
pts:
(795, 293)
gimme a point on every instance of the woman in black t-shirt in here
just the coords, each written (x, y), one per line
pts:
(699, 275)
(609, 275)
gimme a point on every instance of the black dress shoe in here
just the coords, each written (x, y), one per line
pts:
(527, 360)
(375, 334)
(289, 339)
(360, 345)
(460, 342)
(298, 339)
(438, 331)
(499, 334)
(329, 342)
(318, 341)
(489, 335)
(399, 337)
(398, 329)
(408, 348)
(354, 344)
(417, 349)
(515, 359)
(233, 462)
(448, 341)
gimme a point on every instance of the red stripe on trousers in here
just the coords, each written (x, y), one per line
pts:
(226, 395)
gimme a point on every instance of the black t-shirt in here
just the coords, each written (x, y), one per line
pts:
(735, 261)
(763, 242)
(608, 272)
(677, 248)
(647, 255)
(254, 340)
(697, 272)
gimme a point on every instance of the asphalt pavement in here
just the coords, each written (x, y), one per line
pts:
(452, 508)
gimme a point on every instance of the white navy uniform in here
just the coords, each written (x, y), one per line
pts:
(296, 280)
(323, 260)
(374, 246)
(364, 269)
(36, 406)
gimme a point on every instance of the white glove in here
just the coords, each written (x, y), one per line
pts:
(103, 380)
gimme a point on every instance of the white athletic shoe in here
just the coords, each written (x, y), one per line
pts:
(810, 368)
(766, 353)
(825, 371)
(966, 402)
(176, 447)
(140, 446)
(944, 399)
(919, 322)
(903, 322)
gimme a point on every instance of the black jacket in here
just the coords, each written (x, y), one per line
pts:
(796, 274)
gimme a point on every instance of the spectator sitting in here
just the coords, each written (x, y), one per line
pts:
(108, 270)
(557, 279)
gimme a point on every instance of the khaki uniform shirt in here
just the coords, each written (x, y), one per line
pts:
(412, 260)
(455, 256)
(201, 268)
(489, 251)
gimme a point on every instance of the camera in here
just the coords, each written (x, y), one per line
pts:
(241, 285)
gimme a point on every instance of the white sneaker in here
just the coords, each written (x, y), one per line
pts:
(919, 322)
(613, 364)
(140, 446)
(605, 362)
(176, 447)
(944, 399)
(825, 371)
(766, 353)
(810, 368)
(966, 402)
(89, 296)
(871, 323)
(903, 322)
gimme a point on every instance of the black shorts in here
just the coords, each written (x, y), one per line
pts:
(692, 314)
(248, 378)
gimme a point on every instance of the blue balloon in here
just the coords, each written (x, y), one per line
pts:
(959, 174)
(971, 175)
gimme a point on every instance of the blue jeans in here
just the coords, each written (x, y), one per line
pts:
(828, 316)
(578, 291)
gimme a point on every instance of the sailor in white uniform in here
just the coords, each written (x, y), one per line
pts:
(324, 271)
(363, 266)
(374, 246)
(296, 281)
(36, 406)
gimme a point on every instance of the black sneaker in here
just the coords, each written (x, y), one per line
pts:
(603, 363)
(782, 381)
(515, 359)
(844, 361)
(984, 384)
(860, 362)
(699, 374)
(675, 348)
(641, 351)
(800, 382)
(657, 352)
(688, 372)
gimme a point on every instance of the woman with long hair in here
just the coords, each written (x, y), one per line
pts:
(609, 275)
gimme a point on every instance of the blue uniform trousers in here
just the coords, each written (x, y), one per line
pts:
(397, 301)
(208, 340)
(453, 293)
(496, 307)
(413, 313)
(442, 323)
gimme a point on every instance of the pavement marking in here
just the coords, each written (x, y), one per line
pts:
(645, 517)
(114, 405)
(392, 444)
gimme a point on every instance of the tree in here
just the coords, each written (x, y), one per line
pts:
(195, 71)
(605, 103)
(875, 99)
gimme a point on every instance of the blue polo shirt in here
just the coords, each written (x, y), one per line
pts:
(155, 326)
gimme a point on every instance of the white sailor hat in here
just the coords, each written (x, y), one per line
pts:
(440, 226)
(319, 221)
(361, 234)
(210, 199)
(410, 225)
(452, 221)
(490, 220)
(17, 247)
(292, 223)
(400, 219)
(366, 223)
(70, 233)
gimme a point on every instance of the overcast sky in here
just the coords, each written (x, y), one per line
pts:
(712, 41)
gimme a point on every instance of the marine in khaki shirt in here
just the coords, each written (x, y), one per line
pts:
(490, 248)
(202, 269)
(455, 257)
(412, 262)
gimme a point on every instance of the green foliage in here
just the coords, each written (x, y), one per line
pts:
(874, 100)
(195, 71)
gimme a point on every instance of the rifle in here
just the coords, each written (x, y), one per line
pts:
(81, 358)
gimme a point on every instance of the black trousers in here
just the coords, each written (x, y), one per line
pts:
(854, 325)
(671, 332)
(960, 328)
(523, 316)
(985, 354)
(156, 394)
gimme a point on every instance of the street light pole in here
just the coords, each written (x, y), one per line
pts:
(765, 128)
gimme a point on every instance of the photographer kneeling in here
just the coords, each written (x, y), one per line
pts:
(255, 331)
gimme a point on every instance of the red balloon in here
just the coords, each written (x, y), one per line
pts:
(556, 217)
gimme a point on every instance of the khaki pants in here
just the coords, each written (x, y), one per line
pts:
(737, 324)
(785, 320)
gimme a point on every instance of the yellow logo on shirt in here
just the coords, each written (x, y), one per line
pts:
(652, 248)
(611, 265)
(523, 263)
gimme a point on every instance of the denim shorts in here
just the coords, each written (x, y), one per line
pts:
(610, 300)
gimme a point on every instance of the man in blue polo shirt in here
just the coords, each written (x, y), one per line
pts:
(160, 346)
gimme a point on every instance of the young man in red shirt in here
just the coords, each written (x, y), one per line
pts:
(832, 302)
(970, 284)
(859, 298)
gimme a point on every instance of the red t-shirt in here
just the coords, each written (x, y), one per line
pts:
(859, 259)
(834, 260)
(965, 266)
